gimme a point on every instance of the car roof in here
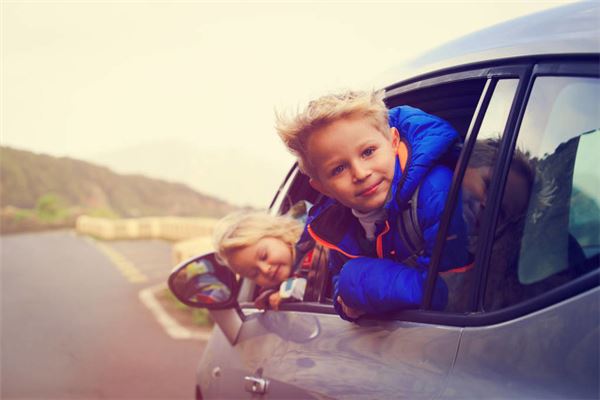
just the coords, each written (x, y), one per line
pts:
(573, 29)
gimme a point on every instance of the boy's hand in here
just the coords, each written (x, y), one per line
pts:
(350, 312)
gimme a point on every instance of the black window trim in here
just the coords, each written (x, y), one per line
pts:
(579, 286)
(504, 71)
(283, 184)
(454, 72)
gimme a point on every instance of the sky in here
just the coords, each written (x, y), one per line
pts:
(186, 90)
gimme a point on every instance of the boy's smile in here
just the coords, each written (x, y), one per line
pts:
(353, 162)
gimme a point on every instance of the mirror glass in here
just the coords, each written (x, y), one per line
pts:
(203, 282)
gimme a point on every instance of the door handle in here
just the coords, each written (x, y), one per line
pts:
(256, 385)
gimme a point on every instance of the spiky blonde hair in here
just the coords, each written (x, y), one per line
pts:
(295, 130)
(245, 228)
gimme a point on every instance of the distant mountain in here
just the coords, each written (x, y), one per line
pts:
(235, 174)
(25, 177)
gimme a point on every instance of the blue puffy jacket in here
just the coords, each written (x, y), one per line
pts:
(374, 277)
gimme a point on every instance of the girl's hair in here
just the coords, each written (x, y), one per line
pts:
(245, 228)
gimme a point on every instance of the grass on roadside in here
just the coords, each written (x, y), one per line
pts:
(198, 316)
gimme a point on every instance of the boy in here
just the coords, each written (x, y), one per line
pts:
(351, 148)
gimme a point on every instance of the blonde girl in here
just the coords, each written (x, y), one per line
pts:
(258, 246)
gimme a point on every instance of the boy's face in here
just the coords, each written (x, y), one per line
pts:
(267, 262)
(353, 162)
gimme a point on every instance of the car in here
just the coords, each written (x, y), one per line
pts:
(524, 321)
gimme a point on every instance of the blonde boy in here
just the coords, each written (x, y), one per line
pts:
(370, 161)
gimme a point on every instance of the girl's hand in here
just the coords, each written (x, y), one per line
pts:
(264, 299)
(349, 311)
(275, 300)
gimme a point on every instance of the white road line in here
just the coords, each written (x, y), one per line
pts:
(147, 296)
(169, 324)
(125, 267)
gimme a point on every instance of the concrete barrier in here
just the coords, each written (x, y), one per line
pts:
(167, 228)
(187, 249)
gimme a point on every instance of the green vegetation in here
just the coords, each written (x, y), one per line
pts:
(40, 192)
(50, 207)
(49, 213)
(197, 316)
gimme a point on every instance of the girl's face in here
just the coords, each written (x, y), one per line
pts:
(267, 262)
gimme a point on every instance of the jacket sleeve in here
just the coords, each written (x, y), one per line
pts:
(336, 261)
(377, 286)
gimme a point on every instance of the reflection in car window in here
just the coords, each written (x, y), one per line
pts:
(475, 185)
(547, 231)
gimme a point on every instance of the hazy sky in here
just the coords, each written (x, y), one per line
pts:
(83, 78)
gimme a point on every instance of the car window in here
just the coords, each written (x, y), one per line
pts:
(455, 102)
(475, 184)
(548, 228)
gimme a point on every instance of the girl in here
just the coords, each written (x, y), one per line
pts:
(260, 247)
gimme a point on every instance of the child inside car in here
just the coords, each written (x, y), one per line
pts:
(372, 163)
(262, 247)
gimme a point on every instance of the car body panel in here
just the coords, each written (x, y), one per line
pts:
(321, 354)
(552, 353)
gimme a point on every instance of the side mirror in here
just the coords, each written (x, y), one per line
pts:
(203, 282)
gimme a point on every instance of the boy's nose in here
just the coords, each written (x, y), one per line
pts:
(360, 172)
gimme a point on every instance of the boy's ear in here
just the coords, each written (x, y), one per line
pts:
(395, 134)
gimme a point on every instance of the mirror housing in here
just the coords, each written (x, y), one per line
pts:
(202, 282)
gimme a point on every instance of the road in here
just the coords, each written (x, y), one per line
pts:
(73, 326)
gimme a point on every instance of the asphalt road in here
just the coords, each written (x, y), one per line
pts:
(73, 326)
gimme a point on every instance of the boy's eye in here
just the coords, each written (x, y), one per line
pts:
(337, 170)
(368, 151)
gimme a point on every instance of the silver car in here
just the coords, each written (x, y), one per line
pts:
(523, 322)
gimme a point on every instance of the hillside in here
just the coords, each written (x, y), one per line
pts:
(79, 186)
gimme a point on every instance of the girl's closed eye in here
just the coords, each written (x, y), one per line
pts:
(262, 254)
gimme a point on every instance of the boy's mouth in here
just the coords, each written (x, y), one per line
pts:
(369, 191)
